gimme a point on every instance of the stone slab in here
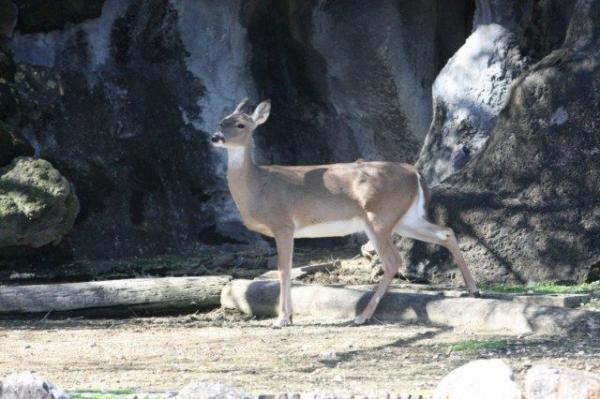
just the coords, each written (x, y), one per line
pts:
(326, 303)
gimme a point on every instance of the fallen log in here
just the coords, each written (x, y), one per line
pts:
(141, 296)
(325, 303)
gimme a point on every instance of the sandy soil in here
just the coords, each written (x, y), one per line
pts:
(159, 354)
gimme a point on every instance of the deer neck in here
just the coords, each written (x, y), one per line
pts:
(241, 174)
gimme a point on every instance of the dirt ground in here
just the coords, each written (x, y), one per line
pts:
(125, 356)
(163, 354)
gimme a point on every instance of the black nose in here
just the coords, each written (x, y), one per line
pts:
(217, 137)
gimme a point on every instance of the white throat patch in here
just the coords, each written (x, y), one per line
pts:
(235, 157)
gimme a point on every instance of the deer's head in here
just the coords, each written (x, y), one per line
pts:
(235, 130)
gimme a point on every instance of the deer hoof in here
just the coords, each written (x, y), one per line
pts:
(282, 322)
(360, 320)
(475, 294)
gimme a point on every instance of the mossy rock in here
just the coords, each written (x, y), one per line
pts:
(38, 205)
(44, 16)
(11, 146)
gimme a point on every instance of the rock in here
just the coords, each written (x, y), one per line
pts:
(8, 18)
(350, 93)
(43, 16)
(7, 64)
(205, 390)
(490, 379)
(189, 62)
(526, 208)
(80, 102)
(28, 385)
(38, 90)
(339, 93)
(12, 146)
(470, 91)
(316, 302)
(548, 382)
(38, 206)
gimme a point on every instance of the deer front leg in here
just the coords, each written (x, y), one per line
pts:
(284, 241)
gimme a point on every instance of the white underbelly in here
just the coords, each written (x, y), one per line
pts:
(337, 228)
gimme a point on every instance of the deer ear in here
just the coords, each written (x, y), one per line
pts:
(245, 107)
(261, 113)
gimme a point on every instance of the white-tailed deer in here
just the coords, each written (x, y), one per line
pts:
(287, 202)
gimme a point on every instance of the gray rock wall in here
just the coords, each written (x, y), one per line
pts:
(121, 97)
(144, 84)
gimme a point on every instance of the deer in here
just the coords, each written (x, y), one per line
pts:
(332, 200)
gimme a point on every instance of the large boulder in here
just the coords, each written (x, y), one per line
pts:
(38, 205)
(470, 91)
(28, 385)
(526, 208)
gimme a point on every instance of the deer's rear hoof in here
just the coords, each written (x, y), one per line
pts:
(360, 320)
(282, 322)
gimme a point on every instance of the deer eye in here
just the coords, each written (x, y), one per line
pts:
(240, 126)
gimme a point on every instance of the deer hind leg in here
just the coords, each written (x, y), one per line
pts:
(284, 240)
(423, 230)
(391, 263)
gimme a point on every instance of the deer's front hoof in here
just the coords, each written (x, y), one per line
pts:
(282, 322)
(475, 294)
(360, 320)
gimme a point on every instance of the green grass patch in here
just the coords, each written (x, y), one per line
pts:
(544, 288)
(477, 345)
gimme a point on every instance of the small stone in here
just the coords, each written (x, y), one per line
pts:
(331, 355)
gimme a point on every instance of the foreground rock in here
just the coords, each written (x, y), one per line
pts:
(38, 205)
(526, 209)
(547, 382)
(490, 379)
(27, 385)
(205, 390)
(476, 315)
